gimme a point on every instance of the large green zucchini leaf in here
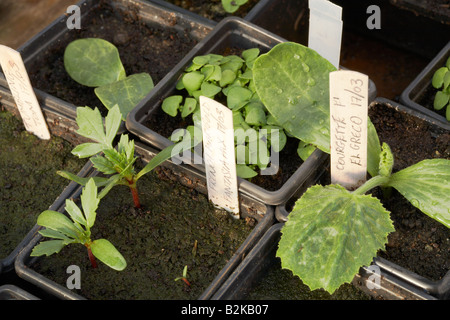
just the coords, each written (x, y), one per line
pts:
(293, 83)
(330, 234)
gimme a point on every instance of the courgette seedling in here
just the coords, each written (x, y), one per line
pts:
(331, 232)
(77, 229)
(441, 81)
(96, 63)
(117, 164)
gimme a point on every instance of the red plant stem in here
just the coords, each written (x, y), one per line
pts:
(134, 192)
(91, 257)
(186, 281)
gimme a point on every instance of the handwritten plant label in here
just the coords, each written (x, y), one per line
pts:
(348, 127)
(219, 155)
(22, 91)
(325, 29)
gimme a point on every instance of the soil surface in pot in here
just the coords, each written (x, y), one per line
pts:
(175, 227)
(142, 48)
(281, 284)
(213, 9)
(28, 180)
(420, 243)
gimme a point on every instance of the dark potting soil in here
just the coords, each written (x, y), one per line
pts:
(175, 227)
(213, 9)
(28, 180)
(420, 243)
(142, 48)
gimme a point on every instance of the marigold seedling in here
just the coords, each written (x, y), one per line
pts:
(77, 229)
(116, 163)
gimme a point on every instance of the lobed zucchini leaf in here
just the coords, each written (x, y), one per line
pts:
(426, 185)
(330, 234)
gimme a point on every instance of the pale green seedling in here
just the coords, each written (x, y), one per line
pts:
(96, 63)
(77, 229)
(441, 81)
(232, 6)
(230, 80)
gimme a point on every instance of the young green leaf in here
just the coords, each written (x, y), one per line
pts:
(245, 171)
(90, 124)
(386, 161)
(125, 93)
(57, 221)
(426, 186)
(440, 100)
(438, 77)
(171, 105)
(90, 201)
(93, 62)
(108, 254)
(232, 6)
(47, 248)
(75, 212)
(88, 149)
(330, 234)
(99, 181)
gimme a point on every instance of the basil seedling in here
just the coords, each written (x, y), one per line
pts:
(229, 79)
(77, 229)
(441, 81)
(232, 6)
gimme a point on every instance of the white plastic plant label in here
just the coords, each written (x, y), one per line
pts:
(348, 127)
(22, 91)
(325, 30)
(219, 155)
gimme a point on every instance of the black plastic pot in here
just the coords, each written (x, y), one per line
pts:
(398, 27)
(229, 33)
(254, 267)
(436, 11)
(286, 18)
(419, 95)
(12, 292)
(397, 282)
(263, 214)
(61, 113)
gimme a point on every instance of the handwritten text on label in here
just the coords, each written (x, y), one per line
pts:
(348, 128)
